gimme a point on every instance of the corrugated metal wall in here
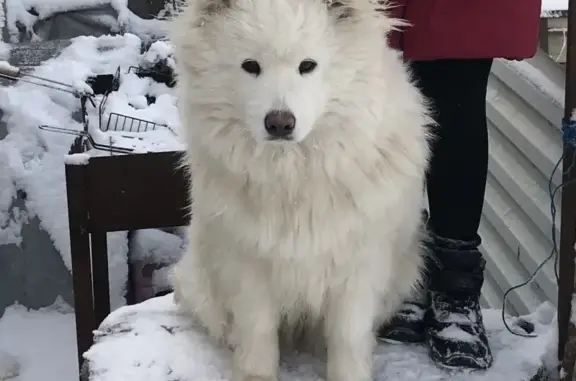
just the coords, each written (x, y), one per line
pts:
(525, 107)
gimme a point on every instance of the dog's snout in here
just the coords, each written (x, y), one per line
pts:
(280, 123)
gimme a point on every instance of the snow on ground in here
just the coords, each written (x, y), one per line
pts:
(43, 342)
(171, 341)
(18, 14)
(33, 160)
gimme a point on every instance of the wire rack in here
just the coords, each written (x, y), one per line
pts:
(124, 123)
(102, 84)
(118, 122)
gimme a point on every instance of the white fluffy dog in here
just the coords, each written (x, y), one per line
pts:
(307, 148)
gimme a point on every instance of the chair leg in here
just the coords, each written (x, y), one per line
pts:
(81, 257)
(101, 278)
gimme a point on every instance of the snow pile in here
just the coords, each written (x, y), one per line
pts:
(26, 13)
(157, 245)
(152, 341)
(32, 160)
(152, 252)
(28, 340)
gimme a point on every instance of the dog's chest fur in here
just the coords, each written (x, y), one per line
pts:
(308, 207)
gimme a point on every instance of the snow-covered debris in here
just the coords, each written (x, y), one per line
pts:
(160, 50)
(25, 14)
(156, 246)
(152, 341)
(33, 160)
(10, 223)
(77, 159)
(152, 253)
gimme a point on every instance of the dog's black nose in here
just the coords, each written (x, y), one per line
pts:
(280, 123)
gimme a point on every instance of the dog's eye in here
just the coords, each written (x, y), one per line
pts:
(252, 67)
(307, 66)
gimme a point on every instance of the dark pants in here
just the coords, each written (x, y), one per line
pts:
(456, 180)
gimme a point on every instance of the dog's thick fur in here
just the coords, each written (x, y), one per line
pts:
(322, 232)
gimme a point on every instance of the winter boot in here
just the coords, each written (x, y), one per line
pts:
(456, 334)
(408, 325)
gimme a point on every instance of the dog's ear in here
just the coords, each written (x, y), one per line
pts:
(206, 10)
(212, 7)
(351, 9)
(384, 9)
(341, 9)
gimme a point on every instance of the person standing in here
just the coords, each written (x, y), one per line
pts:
(450, 46)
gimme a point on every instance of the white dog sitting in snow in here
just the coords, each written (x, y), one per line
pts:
(307, 149)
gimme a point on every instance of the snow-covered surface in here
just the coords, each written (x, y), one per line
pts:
(153, 341)
(554, 5)
(41, 345)
(18, 14)
(33, 160)
(162, 247)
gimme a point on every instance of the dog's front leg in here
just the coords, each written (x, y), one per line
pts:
(254, 338)
(349, 333)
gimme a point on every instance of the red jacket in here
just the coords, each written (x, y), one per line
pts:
(450, 29)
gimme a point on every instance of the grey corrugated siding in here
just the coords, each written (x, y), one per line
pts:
(524, 107)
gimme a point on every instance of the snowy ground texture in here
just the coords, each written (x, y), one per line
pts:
(43, 343)
(176, 350)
